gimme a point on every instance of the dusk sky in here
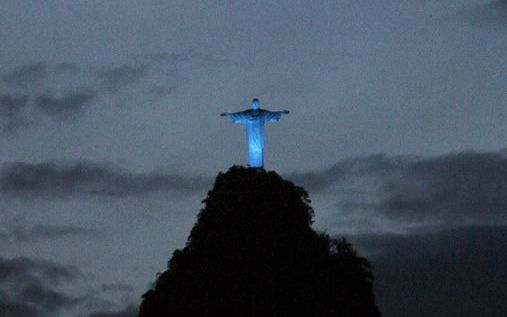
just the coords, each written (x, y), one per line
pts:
(110, 138)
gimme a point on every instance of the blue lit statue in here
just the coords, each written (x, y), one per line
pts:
(254, 120)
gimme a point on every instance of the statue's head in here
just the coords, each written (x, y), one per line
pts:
(255, 104)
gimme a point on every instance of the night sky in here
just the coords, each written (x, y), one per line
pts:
(110, 137)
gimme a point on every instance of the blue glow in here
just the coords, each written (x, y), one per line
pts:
(254, 120)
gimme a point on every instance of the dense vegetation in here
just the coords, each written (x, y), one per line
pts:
(253, 252)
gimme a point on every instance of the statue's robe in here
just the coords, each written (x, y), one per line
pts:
(254, 120)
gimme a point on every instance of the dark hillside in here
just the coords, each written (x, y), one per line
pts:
(253, 252)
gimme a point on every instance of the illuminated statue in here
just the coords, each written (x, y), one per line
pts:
(254, 120)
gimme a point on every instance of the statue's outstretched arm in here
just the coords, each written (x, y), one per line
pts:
(236, 117)
(273, 116)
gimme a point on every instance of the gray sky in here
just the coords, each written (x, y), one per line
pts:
(110, 135)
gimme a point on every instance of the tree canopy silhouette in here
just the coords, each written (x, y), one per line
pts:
(253, 252)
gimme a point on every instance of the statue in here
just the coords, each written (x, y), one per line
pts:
(254, 120)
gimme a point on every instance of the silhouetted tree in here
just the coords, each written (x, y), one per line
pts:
(253, 252)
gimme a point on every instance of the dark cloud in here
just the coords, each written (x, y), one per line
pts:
(65, 90)
(27, 75)
(12, 107)
(68, 104)
(46, 299)
(167, 68)
(461, 188)
(163, 68)
(32, 75)
(43, 232)
(38, 81)
(458, 272)
(371, 166)
(129, 311)
(489, 15)
(39, 288)
(37, 269)
(470, 186)
(29, 287)
(87, 178)
(117, 77)
(12, 308)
